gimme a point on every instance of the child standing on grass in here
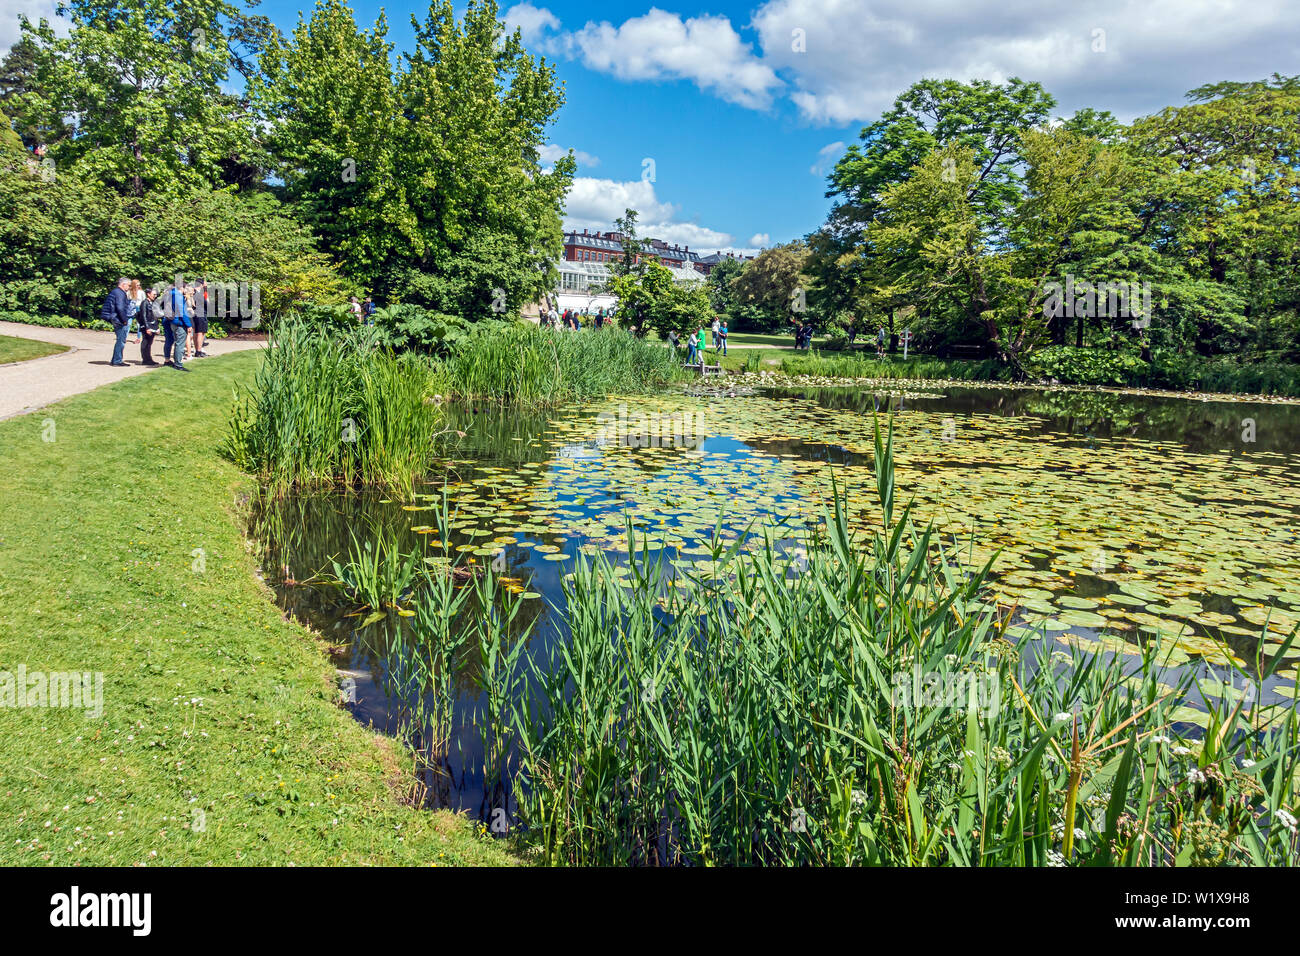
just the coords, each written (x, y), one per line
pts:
(699, 343)
(722, 336)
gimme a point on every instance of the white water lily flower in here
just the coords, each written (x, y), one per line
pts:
(1063, 716)
(1180, 751)
(1160, 739)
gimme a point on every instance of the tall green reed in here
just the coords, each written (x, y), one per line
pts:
(333, 408)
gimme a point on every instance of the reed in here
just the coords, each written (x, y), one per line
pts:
(528, 365)
(328, 409)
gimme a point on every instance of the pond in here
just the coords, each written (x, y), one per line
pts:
(1112, 517)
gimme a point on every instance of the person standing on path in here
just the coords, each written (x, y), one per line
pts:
(722, 336)
(200, 318)
(714, 329)
(136, 296)
(147, 318)
(699, 344)
(179, 321)
(117, 312)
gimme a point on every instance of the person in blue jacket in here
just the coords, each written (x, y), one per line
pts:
(178, 320)
(116, 311)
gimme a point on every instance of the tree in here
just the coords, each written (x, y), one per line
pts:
(650, 300)
(931, 245)
(143, 81)
(774, 285)
(424, 179)
(718, 285)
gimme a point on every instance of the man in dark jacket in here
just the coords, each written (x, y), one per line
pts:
(117, 313)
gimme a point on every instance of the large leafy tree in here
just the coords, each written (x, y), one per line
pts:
(143, 85)
(930, 243)
(774, 285)
(423, 177)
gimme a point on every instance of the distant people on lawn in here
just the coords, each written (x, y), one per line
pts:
(699, 343)
(690, 348)
(714, 329)
(722, 336)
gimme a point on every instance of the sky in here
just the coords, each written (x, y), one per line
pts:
(719, 122)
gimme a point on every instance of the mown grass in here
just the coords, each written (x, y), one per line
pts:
(120, 552)
(13, 349)
(865, 365)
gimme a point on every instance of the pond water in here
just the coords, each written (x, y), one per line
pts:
(1116, 516)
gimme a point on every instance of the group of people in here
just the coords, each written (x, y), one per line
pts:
(696, 341)
(572, 318)
(363, 312)
(180, 312)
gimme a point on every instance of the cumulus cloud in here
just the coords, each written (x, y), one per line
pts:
(551, 152)
(535, 24)
(705, 50)
(844, 61)
(1110, 54)
(760, 240)
(595, 203)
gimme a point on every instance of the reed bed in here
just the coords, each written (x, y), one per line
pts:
(528, 365)
(325, 409)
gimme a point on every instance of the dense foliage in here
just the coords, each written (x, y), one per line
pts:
(969, 215)
(336, 168)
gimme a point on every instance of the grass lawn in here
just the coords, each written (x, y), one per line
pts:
(121, 551)
(14, 349)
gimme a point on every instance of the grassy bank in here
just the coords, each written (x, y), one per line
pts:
(14, 349)
(121, 552)
(1267, 375)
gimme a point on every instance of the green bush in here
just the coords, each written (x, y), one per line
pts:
(1088, 366)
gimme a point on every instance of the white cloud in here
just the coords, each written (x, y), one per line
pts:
(551, 152)
(595, 204)
(34, 10)
(705, 50)
(858, 58)
(533, 23)
(760, 240)
(826, 157)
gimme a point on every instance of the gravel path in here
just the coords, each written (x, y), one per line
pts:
(27, 386)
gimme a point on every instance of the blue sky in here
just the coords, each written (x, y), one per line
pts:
(743, 106)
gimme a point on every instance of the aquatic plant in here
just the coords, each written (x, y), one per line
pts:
(861, 703)
(528, 365)
(333, 408)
